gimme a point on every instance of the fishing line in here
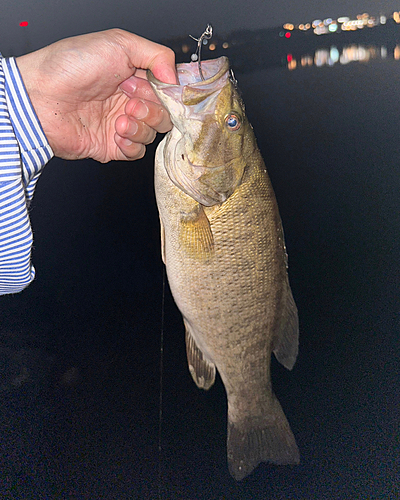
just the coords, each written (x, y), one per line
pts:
(160, 414)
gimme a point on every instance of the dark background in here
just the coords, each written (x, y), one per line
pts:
(80, 355)
(50, 20)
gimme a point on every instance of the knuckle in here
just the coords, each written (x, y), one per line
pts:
(166, 54)
(135, 152)
(141, 152)
(151, 136)
(169, 53)
(116, 34)
(116, 31)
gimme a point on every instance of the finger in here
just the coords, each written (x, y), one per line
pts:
(153, 114)
(163, 72)
(141, 73)
(145, 54)
(137, 87)
(134, 130)
(129, 150)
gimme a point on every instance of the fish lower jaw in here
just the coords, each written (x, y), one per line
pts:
(197, 167)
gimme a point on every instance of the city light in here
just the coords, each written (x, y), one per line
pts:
(343, 50)
(321, 30)
(306, 61)
(348, 54)
(343, 23)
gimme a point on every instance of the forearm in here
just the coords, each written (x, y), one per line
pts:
(24, 151)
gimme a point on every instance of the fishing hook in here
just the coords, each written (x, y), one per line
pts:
(207, 34)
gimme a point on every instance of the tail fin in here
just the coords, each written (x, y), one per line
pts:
(272, 441)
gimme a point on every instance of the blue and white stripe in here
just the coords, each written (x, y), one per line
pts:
(24, 151)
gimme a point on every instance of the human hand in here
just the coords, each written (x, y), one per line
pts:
(91, 95)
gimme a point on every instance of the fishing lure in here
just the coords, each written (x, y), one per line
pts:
(203, 40)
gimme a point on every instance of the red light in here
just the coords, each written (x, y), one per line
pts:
(289, 58)
(288, 35)
(23, 23)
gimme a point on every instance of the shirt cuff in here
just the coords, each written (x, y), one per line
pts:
(34, 147)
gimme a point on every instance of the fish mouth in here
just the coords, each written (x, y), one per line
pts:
(189, 75)
(192, 98)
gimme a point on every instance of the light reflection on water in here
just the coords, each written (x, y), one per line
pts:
(345, 55)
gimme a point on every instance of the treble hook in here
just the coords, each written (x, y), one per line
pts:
(207, 34)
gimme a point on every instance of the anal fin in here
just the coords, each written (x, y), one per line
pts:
(286, 341)
(202, 370)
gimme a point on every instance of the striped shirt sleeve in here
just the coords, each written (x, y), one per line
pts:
(24, 151)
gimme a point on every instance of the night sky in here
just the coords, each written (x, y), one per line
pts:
(154, 19)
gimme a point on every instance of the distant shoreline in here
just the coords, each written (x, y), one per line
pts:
(249, 50)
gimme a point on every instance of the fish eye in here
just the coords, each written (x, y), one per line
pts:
(233, 122)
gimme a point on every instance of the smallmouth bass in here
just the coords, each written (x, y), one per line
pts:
(223, 246)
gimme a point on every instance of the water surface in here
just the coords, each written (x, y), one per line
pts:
(85, 423)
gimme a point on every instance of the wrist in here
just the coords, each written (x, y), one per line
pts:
(29, 70)
(34, 147)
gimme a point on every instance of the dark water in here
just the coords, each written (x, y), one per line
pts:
(80, 362)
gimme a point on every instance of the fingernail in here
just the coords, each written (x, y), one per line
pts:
(140, 111)
(171, 76)
(132, 128)
(165, 74)
(129, 86)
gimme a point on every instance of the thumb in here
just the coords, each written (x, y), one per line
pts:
(164, 72)
(145, 54)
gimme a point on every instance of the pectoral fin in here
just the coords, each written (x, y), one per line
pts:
(196, 235)
(202, 370)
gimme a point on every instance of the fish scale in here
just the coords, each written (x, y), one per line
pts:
(226, 260)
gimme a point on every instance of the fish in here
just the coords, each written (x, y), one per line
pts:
(223, 246)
